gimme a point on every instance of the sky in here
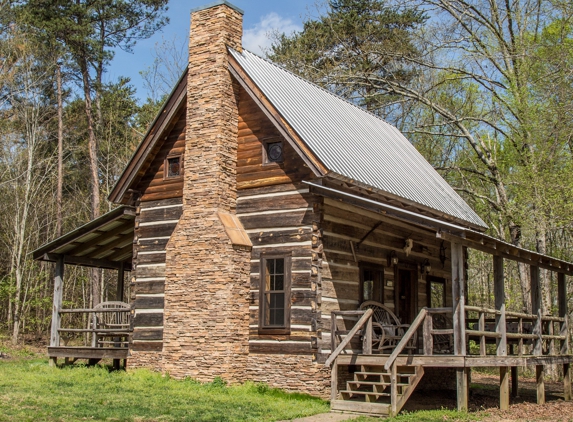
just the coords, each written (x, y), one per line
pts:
(260, 17)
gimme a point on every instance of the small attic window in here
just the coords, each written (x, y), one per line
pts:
(272, 152)
(173, 167)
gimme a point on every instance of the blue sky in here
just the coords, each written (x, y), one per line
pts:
(259, 19)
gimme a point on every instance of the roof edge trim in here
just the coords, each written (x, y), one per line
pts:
(406, 201)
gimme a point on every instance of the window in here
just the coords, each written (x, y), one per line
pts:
(436, 292)
(272, 152)
(275, 294)
(173, 167)
(372, 283)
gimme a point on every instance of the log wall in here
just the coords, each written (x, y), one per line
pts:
(282, 219)
(154, 224)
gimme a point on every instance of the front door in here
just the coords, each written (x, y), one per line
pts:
(405, 295)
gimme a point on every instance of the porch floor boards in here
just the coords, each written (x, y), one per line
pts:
(88, 352)
(451, 361)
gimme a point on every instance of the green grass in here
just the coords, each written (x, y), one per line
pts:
(31, 390)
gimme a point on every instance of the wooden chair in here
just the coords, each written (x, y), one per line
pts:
(116, 325)
(387, 328)
(443, 343)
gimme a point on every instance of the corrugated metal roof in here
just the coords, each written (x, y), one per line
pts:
(352, 142)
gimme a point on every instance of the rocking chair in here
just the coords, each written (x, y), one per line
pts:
(387, 328)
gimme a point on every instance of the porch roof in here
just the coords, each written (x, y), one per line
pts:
(449, 231)
(105, 242)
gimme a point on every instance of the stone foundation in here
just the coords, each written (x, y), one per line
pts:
(149, 360)
(295, 373)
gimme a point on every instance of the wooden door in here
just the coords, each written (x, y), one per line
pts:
(405, 295)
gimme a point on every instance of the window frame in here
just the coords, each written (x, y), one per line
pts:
(266, 142)
(438, 280)
(166, 167)
(369, 266)
(285, 329)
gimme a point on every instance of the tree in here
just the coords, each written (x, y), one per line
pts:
(87, 31)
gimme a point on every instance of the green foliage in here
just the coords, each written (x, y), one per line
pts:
(33, 390)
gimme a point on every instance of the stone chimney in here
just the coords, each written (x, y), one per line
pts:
(206, 323)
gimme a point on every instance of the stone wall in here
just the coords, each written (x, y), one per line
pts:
(206, 323)
(295, 373)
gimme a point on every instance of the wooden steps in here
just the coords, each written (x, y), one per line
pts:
(370, 391)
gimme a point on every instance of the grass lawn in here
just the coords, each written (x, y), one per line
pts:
(31, 390)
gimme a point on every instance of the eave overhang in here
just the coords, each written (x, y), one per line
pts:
(105, 242)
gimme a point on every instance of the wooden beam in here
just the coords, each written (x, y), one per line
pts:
(499, 294)
(539, 373)
(535, 287)
(514, 381)
(393, 389)
(334, 382)
(120, 282)
(563, 311)
(502, 249)
(57, 302)
(462, 375)
(101, 237)
(503, 388)
(458, 297)
(567, 381)
(87, 262)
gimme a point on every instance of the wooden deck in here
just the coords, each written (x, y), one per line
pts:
(88, 352)
(384, 382)
(450, 361)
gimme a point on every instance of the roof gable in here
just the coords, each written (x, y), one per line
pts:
(352, 142)
(146, 150)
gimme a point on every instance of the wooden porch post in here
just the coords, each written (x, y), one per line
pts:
(501, 328)
(120, 277)
(458, 297)
(562, 301)
(57, 305)
(537, 329)
(536, 307)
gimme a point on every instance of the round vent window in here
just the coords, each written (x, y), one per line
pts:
(275, 152)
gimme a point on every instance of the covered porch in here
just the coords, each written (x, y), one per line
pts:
(374, 379)
(103, 243)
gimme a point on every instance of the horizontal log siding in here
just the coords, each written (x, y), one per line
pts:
(254, 127)
(154, 223)
(153, 186)
(281, 219)
(340, 274)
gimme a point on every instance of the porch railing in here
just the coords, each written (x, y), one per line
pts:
(532, 334)
(103, 334)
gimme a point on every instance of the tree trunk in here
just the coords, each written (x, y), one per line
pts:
(60, 182)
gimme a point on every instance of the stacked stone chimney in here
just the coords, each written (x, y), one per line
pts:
(206, 323)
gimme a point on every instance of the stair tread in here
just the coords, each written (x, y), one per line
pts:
(407, 374)
(360, 407)
(365, 393)
(375, 383)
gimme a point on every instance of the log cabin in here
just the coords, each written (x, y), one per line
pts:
(272, 231)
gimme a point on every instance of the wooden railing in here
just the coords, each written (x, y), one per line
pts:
(366, 318)
(515, 328)
(118, 333)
